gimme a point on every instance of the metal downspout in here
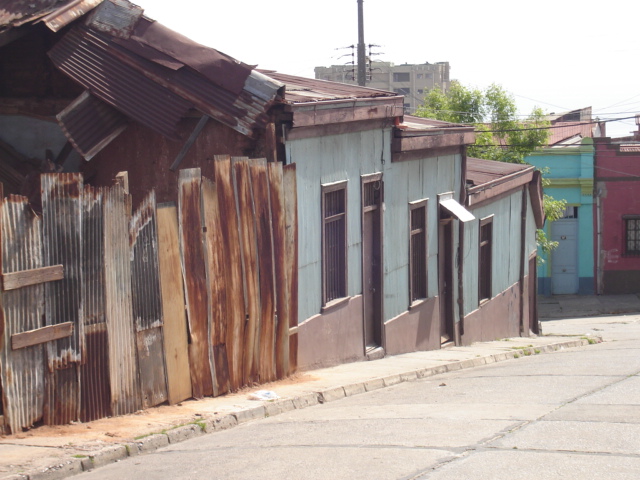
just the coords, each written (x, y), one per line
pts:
(459, 331)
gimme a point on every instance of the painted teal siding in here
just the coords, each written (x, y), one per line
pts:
(347, 157)
(505, 253)
(326, 160)
(570, 173)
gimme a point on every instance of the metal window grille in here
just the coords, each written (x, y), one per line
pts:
(335, 244)
(484, 259)
(418, 253)
(632, 236)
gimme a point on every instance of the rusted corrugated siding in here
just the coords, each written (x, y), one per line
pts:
(21, 371)
(217, 285)
(195, 281)
(90, 124)
(233, 268)
(123, 371)
(82, 53)
(276, 199)
(62, 238)
(264, 244)
(95, 391)
(147, 302)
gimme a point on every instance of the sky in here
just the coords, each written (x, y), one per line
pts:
(558, 55)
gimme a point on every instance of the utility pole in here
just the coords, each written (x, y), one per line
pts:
(362, 61)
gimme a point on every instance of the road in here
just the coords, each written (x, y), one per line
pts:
(571, 414)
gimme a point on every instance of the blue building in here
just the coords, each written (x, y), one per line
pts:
(568, 170)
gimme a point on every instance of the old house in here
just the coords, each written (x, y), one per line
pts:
(617, 215)
(353, 233)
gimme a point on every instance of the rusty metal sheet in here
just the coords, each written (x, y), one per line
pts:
(90, 124)
(248, 245)
(264, 243)
(174, 317)
(117, 18)
(81, 53)
(21, 371)
(233, 268)
(276, 201)
(123, 372)
(147, 302)
(291, 226)
(217, 285)
(195, 280)
(95, 392)
(63, 16)
(62, 239)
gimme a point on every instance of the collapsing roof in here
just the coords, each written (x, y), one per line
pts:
(134, 68)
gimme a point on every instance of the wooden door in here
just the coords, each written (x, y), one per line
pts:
(372, 260)
(445, 276)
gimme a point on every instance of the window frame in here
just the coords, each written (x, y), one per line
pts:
(418, 297)
(343, 281)
(625, 226)
(485, 265)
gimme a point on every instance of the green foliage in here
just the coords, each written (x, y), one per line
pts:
(500, 134)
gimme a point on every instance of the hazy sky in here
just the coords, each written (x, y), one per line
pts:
(556, 54)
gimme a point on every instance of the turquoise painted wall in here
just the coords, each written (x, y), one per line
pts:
(570, 175)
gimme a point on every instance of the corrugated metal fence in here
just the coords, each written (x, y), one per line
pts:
(94, 296)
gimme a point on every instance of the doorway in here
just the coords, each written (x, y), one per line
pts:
(445, 279)
(564, 259)
(372, 260)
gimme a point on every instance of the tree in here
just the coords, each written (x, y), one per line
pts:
(500, 134)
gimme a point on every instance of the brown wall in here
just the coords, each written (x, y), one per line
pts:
(147, 157)
(621, 281)
(331, 338)
(497, 318)
(414, 330)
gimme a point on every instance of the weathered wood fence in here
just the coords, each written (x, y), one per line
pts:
(104, 311)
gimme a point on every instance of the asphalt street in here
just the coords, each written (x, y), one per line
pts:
(572, 414)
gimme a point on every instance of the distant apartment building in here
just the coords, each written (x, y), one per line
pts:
(412, 81)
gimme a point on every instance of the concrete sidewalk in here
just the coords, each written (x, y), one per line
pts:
(573, 306)
(59, 452)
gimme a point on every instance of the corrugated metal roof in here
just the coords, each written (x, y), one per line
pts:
(58, 13)
(90, 124)
(302, 90)
(90, 59)
(480, 172)
(563, 131)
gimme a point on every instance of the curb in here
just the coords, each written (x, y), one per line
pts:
(151, 443)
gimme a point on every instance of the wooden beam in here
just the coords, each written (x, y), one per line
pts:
(41, 335)
(11, 281)
(192, 138)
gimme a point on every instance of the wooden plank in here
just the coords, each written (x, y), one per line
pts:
(173, 303)
(41, 335)
(195, 281)
(11, 281)
(291, 226)
(22, 372)
(233, 269)
(267, 338)
(246, 215)
(217, 285)
(276, 196)
(147, 303)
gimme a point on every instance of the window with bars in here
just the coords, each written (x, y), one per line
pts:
(484, 258)
(334, 242)
(632, 235)
(418, 260)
